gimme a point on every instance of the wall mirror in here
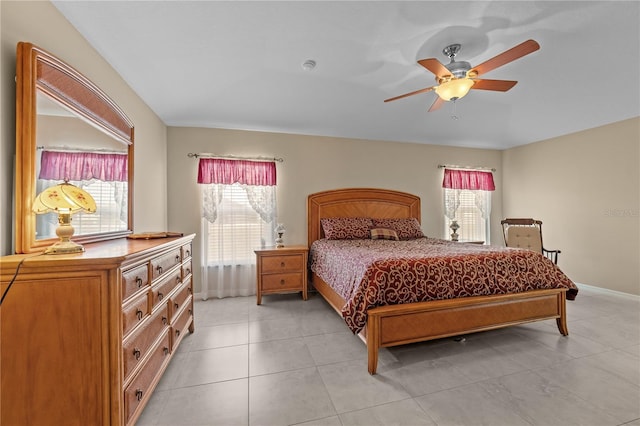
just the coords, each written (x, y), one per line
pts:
(68, 129)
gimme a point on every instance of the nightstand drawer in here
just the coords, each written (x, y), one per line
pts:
(275, 264)
(291, 281)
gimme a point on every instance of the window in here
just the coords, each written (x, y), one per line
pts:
(238, 217)
(237, 231)
(467, 200)
(473, 226)
(111, 209)
(103, 175)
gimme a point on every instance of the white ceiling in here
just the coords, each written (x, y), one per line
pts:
(236, 64)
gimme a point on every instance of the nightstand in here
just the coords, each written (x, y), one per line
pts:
(281, 270)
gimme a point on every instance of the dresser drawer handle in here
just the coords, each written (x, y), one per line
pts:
(136, 353)
(139, 314)
(139, 394)
(282, 281)
(165, 350)
(139, 281)
(160, 296)
(177, 333)
(159, 269)
(178, 279)
(187, 271)
(164, 320)
(175, 305)
(282, 264)
(177, 258)
(187, 253)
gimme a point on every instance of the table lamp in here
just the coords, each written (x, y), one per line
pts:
(64, 199)
(280, 232)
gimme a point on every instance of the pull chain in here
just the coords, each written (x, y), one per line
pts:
(454, 115)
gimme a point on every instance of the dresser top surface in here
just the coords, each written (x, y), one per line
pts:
(105, 253)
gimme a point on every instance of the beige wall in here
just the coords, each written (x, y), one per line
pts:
(40, 23)
(313, 164)
(585, 188)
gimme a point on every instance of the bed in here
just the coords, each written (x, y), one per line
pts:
(394, 324)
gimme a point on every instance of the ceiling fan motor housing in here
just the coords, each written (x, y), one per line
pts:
(459, 68)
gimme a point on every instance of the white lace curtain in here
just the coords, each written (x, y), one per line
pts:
(238, 216)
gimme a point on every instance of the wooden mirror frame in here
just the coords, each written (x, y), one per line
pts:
(38, 70)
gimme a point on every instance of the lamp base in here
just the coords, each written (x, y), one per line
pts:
(64, 247)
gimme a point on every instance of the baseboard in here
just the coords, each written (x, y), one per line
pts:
(204, 296)
(608, 291)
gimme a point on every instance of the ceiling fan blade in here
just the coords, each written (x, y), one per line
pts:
(436, 104)
(497, 85)
(435, 66)
(410, 94)
(507, 56)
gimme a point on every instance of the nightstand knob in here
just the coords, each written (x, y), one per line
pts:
(282, 282)
(282, 264)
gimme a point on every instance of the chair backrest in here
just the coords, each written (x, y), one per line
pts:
(523, 233)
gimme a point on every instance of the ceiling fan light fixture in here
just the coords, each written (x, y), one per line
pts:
(455, 88)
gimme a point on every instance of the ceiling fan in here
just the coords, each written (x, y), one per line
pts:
(458, 77)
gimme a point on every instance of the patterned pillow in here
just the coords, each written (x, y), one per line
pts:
(384, 234)
(346, 228)
(406, 228)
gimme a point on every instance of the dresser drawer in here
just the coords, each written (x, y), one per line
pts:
(186, 251)
(178, 300)
(137, 345)
(179, 324)
(141, 387)
(282, 263)
(134, 280)
(134, 312)
(163, 264)
(186, 270)
(161, 290)
(291, 281)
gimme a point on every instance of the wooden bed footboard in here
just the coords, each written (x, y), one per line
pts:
(417, 322)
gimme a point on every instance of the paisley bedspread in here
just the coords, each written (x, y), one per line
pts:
(369, 273)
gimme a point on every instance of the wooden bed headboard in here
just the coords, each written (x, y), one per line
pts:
(358, 202)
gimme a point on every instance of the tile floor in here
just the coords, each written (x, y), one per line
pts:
(291, 362)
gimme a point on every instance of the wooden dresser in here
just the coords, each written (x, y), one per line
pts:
(86, 338)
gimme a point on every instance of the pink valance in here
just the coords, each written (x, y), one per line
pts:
(468, 179)
(78, 166)
(218, 170)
